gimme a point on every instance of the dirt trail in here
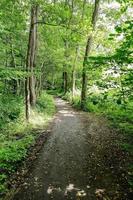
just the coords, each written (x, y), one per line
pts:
(79, 158)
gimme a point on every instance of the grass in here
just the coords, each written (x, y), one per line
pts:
(16, 136)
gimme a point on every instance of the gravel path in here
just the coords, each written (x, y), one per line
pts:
(80, 160)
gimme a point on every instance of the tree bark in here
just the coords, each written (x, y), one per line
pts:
(83, 10)
(34, 14)
(14, 82)
(65, 82)
(30, 95)
(87, 52)
(74, 72)
(65, 75)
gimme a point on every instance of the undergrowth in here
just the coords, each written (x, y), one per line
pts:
(16, 136)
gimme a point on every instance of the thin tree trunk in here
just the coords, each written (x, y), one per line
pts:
(33, 54)
(83, 11)
(65, 81)
(15, 83)
(6, 65)
(87, 52)
(65, 75)
(39, 86)
(76, 56)
(74, 72)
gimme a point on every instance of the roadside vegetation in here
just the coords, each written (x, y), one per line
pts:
(16, 135)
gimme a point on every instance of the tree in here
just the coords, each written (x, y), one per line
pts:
(87, 52)
(30, 94)
(74, 72)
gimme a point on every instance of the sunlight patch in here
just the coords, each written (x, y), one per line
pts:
(51, 189)
(81, 193)
(66, 113)
(36, 118)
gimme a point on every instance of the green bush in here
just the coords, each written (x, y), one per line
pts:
(45, 104)
(90, 107)
(76, 102)
(15, 150)
(11, 153)
(67, 96)
(10, 109)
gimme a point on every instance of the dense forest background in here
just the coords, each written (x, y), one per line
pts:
(80, 50)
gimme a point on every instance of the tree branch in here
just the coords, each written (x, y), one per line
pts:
(56, 25)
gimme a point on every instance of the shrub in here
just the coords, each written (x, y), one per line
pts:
(76, 102)
(14, 151)
(10, 109)
(45, 104)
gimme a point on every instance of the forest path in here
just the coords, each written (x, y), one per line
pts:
(79, 158)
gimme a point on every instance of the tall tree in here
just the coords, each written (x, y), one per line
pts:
(87, 52)
(69, 6)
(76, 54)
(30, 94)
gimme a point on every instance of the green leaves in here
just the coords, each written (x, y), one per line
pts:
(10, 109)
(45, 104)
(16, 150)
(12, 73)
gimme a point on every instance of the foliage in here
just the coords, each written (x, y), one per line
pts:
(75, 100)
(45, 104)
(10, 109)
(16, 136)
(9, 74)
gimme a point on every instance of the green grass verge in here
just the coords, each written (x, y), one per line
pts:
(16, 136)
